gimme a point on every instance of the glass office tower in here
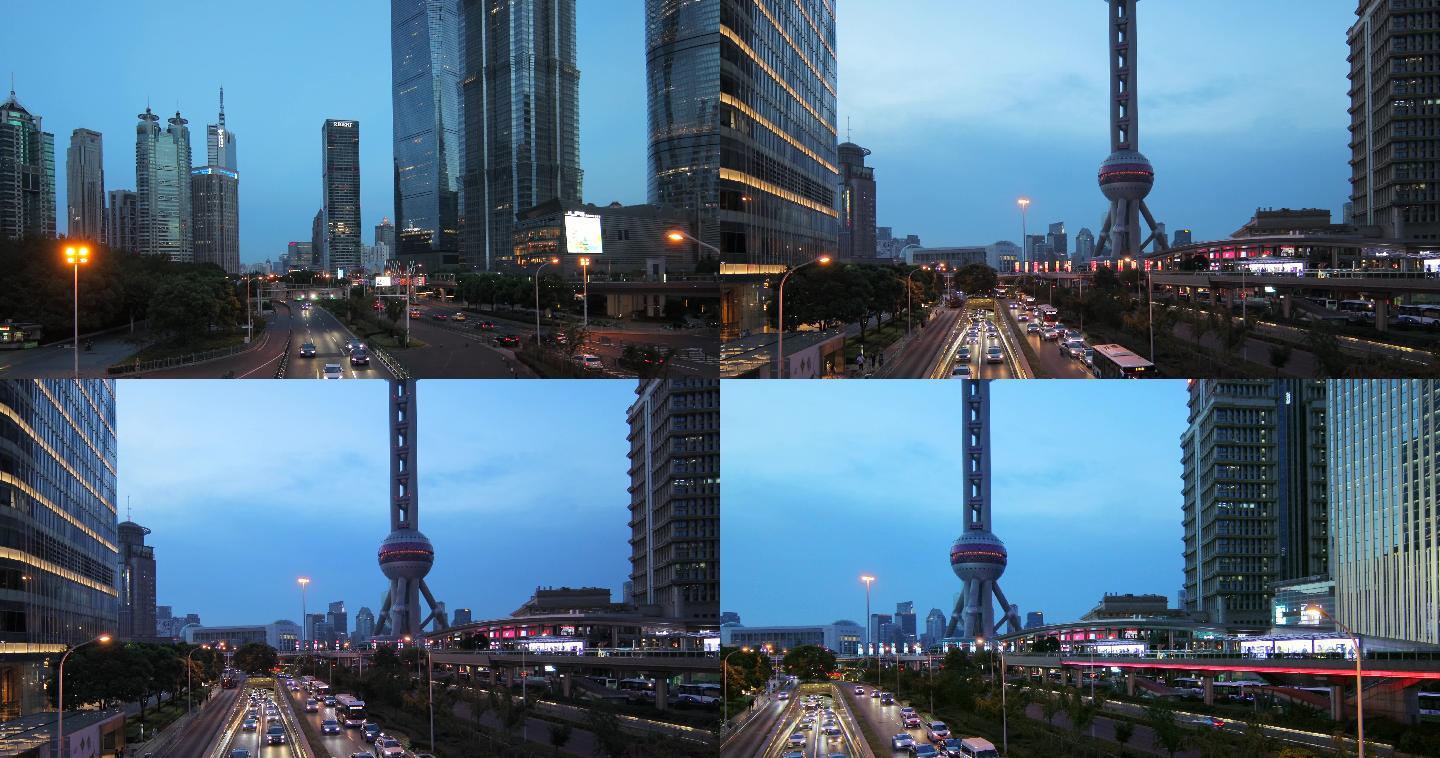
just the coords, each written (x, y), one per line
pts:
(742, 114)
(27, 174)
(522, 118)
(58, 584)
(429, 150)
(340, 216)
(162, 187)
(1384, 486)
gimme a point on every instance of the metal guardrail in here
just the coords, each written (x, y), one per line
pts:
(1327, 273)
(587, 654)
(159, 364)
(285, 356)
(388, 361)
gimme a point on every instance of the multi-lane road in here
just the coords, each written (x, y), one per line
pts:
(812, 722)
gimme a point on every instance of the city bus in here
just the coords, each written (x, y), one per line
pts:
(636, 689)
(349, 710)
(1049, 314)
(698, 694)
(228, 681)
(1117, 362)
(1419, 315)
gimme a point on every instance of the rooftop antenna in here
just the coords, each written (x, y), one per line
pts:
(847, 130)
(127, 509)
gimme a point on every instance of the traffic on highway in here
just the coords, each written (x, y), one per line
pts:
(909, 731)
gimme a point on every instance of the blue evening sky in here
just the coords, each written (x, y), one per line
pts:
(826, 481)
(286, 66)
(249, 485)
(966, 105)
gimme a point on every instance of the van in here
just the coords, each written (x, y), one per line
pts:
(975, 747)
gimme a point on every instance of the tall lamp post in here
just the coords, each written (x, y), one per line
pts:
(725, 684)
(552, 261)
(780, 315)
(75, 256)
(868, 580)
(1359, 676)
(304, 619)
(60, 700)
(585, 296)
(907, 297)
(1004, 712)
(188, 706)
(1024, 204)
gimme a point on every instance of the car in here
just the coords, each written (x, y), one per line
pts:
(1050, 333)
(1073, 334)
(369, 732)
(459, 317)
(333, 371)
(249, 724)
(239, 752)
(887, 698)
(907, 710)
(1075, 349)
(950, 747)
(902, 741)
(923, 750)
(329, 726)
(797, 739)
(936, 731)
(1022, 318)
(993, 354)
(389, 747)
(330, 700)
(353, 345)
(783, 696)
(275, 735)
(1032, 328)
(960, 371)
(439, 317)
(507, 340)
(1209, 721)
(375, 306)
(831, 729)
(975, 747)
(963, 354)
(910, 721)
(589, 362)
(806, 723)
(792, 754)
(485, 326)
(311, 706)
(307, 350)
(360, 357)
(874, 693)
(859, 690)
(414, 313)
(361, 754)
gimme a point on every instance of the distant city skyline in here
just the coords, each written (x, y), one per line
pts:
(294, 482)
(1081, 479)
(289, 84)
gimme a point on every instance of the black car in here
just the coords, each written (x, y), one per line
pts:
(307, 350)
(508, 340)
(360, 357)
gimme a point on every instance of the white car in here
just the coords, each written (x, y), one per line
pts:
(389, 747)
(960, 371)
(797, 739)
(994, 355)
(937, 731)
(590, 362)
(333, 371)
(859, 690)
(902, 741)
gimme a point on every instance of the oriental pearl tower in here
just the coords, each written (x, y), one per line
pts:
(406, 555)
(978, 557)
(1126, 177)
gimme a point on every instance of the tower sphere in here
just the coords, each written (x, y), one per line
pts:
(1126, 175)
(406, 554)
(978, 555)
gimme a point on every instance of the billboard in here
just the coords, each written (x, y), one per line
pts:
(582, 233)
(383, 281)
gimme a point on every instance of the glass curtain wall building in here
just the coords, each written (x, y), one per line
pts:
(426, 66)
(340, 222)
(85, 186)
(162, 187)
(58, 531)
(1384, 488)
(742, 115)
(27, 174)
(521, 96)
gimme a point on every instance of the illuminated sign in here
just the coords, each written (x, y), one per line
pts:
(1276, 267)
(383, 281)
(343, 124)
(582, 234)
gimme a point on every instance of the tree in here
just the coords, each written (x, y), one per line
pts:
(559, 735)
(1279, 357)
(605, 726)
(1046, 645)
(1050, 706)
(256, 658)
(1124, 730)
(809, 662)
(478, 641)
(976, 279)
(1168, 732)
(1326, 349)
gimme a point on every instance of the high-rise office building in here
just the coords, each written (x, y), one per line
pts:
(1058, 241)
(137, 582)
(1254, 489)
(522, 122)
(162, 187)
(1385, 549)
(85, 186)
(318, 261)
(338, 618)
(426, 68)
(1084, 245)
(857, 203)
(675, 497)
(752, 152)
(1183, 237)
(59, 455)
(1394, 130)
(1034, 619)
(905, 621)
(27, 174)
(385, 234)
(300, 256)
(215, 199)
(461, 616)
(341, 212)
(364, 624)
(122, 221)
(934, 627)
(882, 629)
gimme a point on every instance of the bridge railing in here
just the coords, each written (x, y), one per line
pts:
(1370, 655)
(626, 653)
(1324, 273)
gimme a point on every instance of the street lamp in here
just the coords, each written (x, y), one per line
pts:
(867, 580)
(187, 674)
(1024, 204)
(725, 683)
(60, 700)
(907, 297)
(430, 671)
(1004, 712)
(780, 316)
(304, 619)
(679, 235)
(1359, 676)
(537, 300)
(585, 297)
(74, 256)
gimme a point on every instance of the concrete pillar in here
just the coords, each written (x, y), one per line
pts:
(1337, 703)
(494, 675)
(1396, 702)
(1285, 305)
(1079, 677)
(662, 693)
(1382, 315)
(566, 681)
(1130, 683)
(1214, 296)
(1209, 689)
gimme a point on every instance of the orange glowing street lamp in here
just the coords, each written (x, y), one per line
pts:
(823, 260)
(60, 700)
(74, 257)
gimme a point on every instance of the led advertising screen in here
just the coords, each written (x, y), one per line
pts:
(582, 233)
(382, 281)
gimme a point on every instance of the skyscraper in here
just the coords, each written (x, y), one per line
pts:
(462, 616)
(385, 234)
(122, 221)
(364, 624)
(137, 582)
(522, 122)
(426, 67)
(1394, 130)
(341, 212)
(857, 203)
(162, 187)
(1034, 619)
(317, 242)
(1254, 489)
(1385, 550)
(754, 152)
(27, 174)
(675, 497)
(1182, 236)
(85, 186)
(1057, 240)
(905, 621)
(215, 199)
(1084, 245)
(338, 618)
(60, 459)
(934, 627)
